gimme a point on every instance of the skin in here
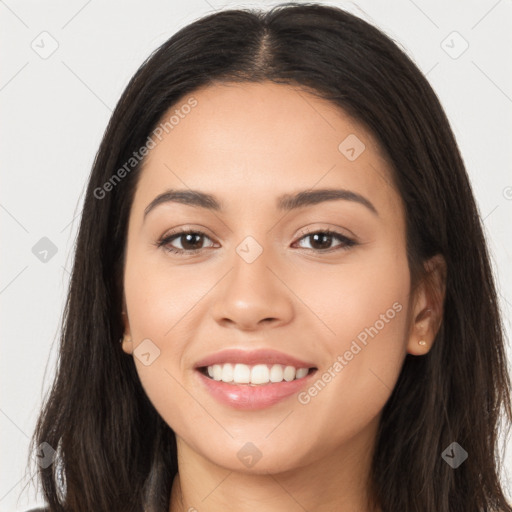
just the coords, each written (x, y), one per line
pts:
(247, 144)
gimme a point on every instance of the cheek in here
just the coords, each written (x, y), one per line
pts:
(160, 298)
(365, 306)
(349, 297)
(163, 305)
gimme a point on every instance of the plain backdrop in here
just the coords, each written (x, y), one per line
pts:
(64, 66)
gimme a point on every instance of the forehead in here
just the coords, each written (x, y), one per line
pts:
(262, 140)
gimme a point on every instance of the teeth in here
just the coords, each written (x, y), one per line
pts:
(227, 373)
(276, 373)
(301, 372)
(242, 374)
(289, 373)
(257, 374)
(217, 371)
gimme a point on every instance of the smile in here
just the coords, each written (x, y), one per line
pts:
(256, 375)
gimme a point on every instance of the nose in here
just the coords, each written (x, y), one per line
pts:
(253, 295)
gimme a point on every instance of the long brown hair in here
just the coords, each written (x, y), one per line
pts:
(114, 451)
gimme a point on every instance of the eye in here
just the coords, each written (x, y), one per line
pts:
(324, 238)
(189, 241)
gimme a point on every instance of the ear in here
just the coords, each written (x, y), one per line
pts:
(126, 344)
(428, 307)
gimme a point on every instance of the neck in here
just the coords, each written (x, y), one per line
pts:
(338, 481)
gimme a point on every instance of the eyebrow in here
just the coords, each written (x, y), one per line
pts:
(286, 202)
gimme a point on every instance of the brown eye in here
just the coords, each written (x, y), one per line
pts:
(190, 241)
(321, 240)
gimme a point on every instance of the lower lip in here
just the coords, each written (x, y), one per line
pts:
(247, 397)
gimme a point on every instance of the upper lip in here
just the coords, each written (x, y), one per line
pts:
(251, 357)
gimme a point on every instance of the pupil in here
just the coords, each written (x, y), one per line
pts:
(322, 235)
(187, 237)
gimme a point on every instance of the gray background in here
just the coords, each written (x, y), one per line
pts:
(55, 107)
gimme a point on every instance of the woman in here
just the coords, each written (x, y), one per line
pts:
(281, 297)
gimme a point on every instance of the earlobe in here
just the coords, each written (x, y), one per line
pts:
(422, 336)
(126, 341)
(428, 307)
(126, 345)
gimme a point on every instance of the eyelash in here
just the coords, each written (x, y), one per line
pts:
(347, 242)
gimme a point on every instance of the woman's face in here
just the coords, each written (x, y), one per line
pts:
(265, 276)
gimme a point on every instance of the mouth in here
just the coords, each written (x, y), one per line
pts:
(249, 396)
(253, 379)
(255, 375)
